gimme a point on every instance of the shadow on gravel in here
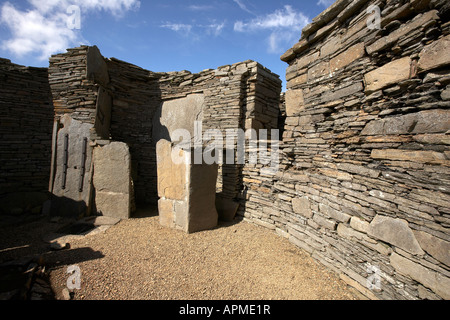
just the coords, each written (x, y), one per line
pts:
(27, 254)
(145, 211)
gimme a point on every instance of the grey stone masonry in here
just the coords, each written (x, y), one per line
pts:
(364, 178)
(26, 124)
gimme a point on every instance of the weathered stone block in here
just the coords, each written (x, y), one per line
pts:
(324, 222)
(349, 233)
(359, 224)
(187, 190)
(202, 197)
(333, 213)
(436, 247)
(435, 55)
(388, 74)
(113, 204)
(294, 102)
(339, 175)
(319, 70)
(350, 55)
(445, 95)
(298, 80)
(331, 46)
(302, 207)
(414, 156)
(171, 176)
(341, 93)
(358, 169)
(112, 180)
(178, 114)
(96, 68)
(437, 282)
(397, 34)
(304, 61)
(395, 232)
(166, 212)
(430, 121)
(103, 114)
(70, 198)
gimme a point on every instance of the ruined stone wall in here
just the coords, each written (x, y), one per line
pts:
(136, 98)
(244, 95)
(26, 122)
(365, 179)
(240, 96)
(73, 93)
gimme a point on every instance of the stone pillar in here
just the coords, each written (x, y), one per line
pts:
(187, 191)
(72, 182)
(112, 180)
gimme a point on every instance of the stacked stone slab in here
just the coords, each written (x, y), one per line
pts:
(73, 93)
(79, 82)
(364, 179)
(136, 98)
(26, 122)
(243, 96)
(118, 101)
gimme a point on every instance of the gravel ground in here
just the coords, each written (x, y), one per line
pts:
(138, 259)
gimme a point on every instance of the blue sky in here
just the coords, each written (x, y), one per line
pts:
(162, 36)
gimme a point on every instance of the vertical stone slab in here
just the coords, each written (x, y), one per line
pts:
(166, 213)
(294, 102)
(178, 114)
(112, 180)
(103, 114)
(172, 180)
(187, 191)
(202, 197)
(96, 67)
(72, 187)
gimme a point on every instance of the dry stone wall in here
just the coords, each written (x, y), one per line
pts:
(78, 80)
(135, 99)
(73, 93)
(26, 122)
(122, 102)
(364, 184)
(244, 96)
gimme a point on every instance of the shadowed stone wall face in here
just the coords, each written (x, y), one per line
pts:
(364, 186)
(136, 98)
(26, 122)
(26, 117)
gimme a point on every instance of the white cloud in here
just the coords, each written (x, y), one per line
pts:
(178, 27)
(285, 18)
(115, 7)
(44, 28)
(325, 3)
(285, 26)
(215, 29)
(200, 7)
(196, 31)
(241, 5)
